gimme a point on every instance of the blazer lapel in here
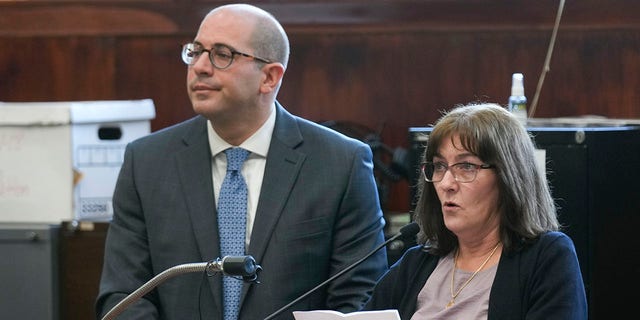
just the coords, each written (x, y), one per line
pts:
(281, 170)
(194, 171)
(194, 165)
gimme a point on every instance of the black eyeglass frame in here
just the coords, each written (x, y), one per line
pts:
(189, 48)
(477, 168)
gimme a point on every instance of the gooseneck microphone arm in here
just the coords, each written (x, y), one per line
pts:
(408, 230)
(244, 266)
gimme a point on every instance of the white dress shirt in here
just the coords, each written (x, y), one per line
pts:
(252, 169)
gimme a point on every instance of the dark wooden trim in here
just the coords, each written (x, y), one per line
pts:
(104, 18)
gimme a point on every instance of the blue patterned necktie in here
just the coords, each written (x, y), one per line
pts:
(232, 217)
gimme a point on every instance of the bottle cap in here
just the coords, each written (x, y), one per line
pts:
(517, 87)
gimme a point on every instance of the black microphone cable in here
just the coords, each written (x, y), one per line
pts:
(408, 230)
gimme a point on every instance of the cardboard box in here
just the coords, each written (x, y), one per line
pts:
(60, 160)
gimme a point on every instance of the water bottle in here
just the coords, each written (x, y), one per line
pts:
(517, 100)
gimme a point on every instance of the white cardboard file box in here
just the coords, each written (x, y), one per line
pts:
(60, 160)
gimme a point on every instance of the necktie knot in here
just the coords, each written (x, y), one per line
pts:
(235, 158)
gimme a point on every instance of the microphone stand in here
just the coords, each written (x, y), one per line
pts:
(210, 267)
(410, 228)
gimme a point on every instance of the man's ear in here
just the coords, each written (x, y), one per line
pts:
(273, 73)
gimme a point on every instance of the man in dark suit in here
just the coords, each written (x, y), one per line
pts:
(312, 210)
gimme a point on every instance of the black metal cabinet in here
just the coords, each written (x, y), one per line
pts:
(28, 271)
(50, 272)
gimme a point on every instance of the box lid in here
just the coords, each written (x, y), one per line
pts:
(65, 112)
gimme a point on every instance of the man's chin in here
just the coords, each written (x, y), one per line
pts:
(200, 105)
(205, 108)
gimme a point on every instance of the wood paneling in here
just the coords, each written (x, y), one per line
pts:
(80, 257)
(388, 65)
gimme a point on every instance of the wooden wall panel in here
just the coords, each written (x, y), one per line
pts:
(594, 73)
(387, 65)
(403, 79)
(44, 69)
(80, 257)
(153, 69)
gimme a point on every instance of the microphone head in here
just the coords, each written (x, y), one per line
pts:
(410, 230)
(239, 266)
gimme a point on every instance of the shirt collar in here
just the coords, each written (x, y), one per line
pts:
(258, 143)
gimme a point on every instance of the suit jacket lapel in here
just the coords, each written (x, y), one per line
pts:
(194, 165)
(194, 169)
(282, 167)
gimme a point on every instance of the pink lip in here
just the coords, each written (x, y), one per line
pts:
(201, 88)
(449, 206)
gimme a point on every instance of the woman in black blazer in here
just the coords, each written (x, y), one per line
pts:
(490, 245)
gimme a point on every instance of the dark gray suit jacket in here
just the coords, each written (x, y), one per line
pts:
(317, 213)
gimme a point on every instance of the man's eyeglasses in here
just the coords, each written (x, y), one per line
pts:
(220, 56)
(462, 171)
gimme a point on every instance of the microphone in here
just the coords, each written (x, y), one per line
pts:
(240, 266)
(409, 230)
